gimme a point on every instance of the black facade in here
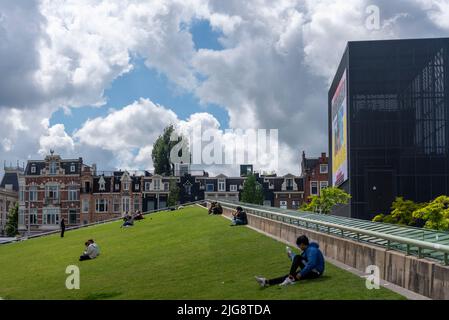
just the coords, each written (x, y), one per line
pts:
(397, 123)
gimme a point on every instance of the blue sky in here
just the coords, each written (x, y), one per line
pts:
(143, 82)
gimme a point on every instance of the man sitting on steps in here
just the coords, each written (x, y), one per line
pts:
(310, 262)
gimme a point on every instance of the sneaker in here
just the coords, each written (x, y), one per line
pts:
(287, 282)
(262, 281)
(289, 252)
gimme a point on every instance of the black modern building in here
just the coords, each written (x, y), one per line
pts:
(388, 119)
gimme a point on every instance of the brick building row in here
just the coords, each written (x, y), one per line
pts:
(56, 188)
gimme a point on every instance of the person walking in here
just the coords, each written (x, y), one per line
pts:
(62, 227)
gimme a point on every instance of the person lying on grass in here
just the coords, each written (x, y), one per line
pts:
(310, 262)
(92, 250)
(239, 217)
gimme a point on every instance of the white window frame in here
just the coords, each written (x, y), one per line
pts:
(188, 189)
(102, 186)
(323, 185)
(85, 206)
(137, 186)
(72, 168)
(317, 188)
(98, 203)
(72, 193)
(221, 185)
(324, 166)
(52, 168)
(116, 205)
(126, 204)
(117, 186)
(283, 204)
(53, 214)
(126, 186)
(32, 193)
(33, 169)
(33, 216)
(233, 187)
(157, 184)
(51, 190)
(147, 186)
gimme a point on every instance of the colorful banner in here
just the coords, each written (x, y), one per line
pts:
(339, 134)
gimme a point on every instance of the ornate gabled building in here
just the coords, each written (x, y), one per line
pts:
(315, 172)
(9, 192)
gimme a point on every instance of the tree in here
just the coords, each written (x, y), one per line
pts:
(12, 225)
(161, 151)
(328, 198)
(401, 213)
(173, 196)
(435, 213)
(252, 191)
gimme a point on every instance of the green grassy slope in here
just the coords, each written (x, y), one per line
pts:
(182, 254)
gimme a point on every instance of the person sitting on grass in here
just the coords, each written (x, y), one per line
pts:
(310, 262)
(217, 209)
(211, 208)
(129, 221)
(138, 215)
(92, 251)
(239, 217)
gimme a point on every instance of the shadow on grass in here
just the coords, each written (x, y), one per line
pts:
(103, 295)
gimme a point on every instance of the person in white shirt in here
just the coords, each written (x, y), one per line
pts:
(92, 251)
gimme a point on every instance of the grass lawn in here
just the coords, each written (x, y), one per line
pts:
(182, 254)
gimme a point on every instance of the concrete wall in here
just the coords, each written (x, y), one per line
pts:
(422, 276)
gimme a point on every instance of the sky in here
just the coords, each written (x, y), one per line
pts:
(101, 79)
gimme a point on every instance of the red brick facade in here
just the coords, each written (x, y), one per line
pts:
(315, 172)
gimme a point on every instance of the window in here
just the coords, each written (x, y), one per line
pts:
(116, 205)
(289, 184)
(125, 204)
(323, 185)
(52, 192)
(33, 216)
(267, 203)
(283, 204)
(51, 216)
(102, 184)
(136, 204)
(314, 188)
(33, 193)
(209, 187)
(126, 186)
(295, 204)
(73, 216)
(323, 168)
(233, 187)
(147, 186)
(188, 189)
(117, 186)
(166, 186)
(21, 217)
(87, 186)
(52, 167)
(21, 194)
(85, 206)
(157, 184)
(221, 185)
(137, 186)
(101, 205)
(33, 169)
(72, 168)
(73, 193)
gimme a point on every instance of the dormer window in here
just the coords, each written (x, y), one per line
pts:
(33, 169)
(52, 167)
(72, 168)
(102, 184)
(117, 186)
(221, 185)
(126, 186)
(137, 186)
(323, 168)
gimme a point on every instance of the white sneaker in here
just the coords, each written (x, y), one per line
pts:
(289, 252)
(287, 282)
(262, 281)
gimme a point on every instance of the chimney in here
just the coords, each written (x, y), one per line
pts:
(94, 169)
(323, 155)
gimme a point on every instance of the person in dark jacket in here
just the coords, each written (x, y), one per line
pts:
(239, 217)
(62, 227)
(217, 209)
(310, 263)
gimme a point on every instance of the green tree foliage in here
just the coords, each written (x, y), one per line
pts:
(328, 198)
(252, 191)
(435, 213)
(401, 212)
(173, 196)
(161, 152)
(13, 221)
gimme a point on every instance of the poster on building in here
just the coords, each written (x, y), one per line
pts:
(339, 134)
